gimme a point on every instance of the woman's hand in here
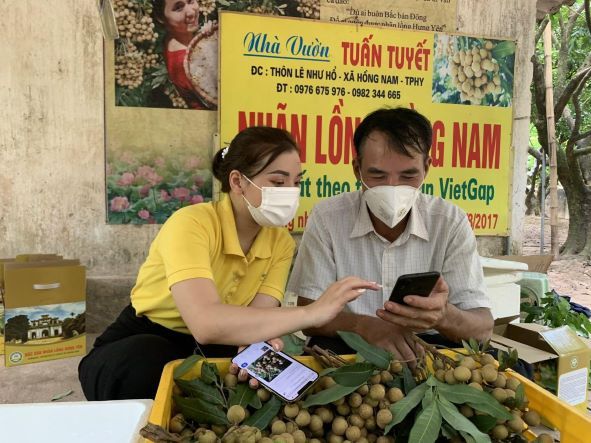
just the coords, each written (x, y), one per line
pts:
(242, 375)
(334, 299)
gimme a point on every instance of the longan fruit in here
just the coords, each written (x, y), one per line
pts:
(176, 423)
(394, 394)
(462, 373)
(516, 424)
(362, 390)
(377, 392)
(370, 424)
(325, 414)
(513, 384)
(440, 375)
(353, 433)
(299, 436)
(499, 394)
(489, 373)
(544, 438)
(501, 380)
(468, 362)
(395, 367)
(487, 359)
(343, 409)
(316, 423)
(339, 426)
(333, 438)
(371, 402)
(208, 437)
(263, 394)
(467, 411)
(287, 438)
(532, 418)
(476, 386)
(219, 429)
(230, 380)
(356, 420)
(290, 427)
(476, 376)
(500, 432)
(449, 377)
(303, 418)
(365, 411)
(278, 427)
(355, 400)
(375, 379)
(291, 410)
(383, 417)
(385, 377)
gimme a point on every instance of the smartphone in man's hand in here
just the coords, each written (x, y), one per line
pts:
(420, 284)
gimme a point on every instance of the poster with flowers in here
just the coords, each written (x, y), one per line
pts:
(161, 102)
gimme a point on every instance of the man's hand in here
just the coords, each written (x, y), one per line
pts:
(242, 375)
(422, 313)
(392, 338)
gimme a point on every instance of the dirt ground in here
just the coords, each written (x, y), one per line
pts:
(569, 275)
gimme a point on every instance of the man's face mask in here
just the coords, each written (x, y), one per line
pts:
(278, 205)
(390, 203)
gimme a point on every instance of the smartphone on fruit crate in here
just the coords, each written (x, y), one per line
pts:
(278, 372)
(421, 284)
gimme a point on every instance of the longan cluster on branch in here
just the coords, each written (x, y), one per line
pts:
(475, 72)
(309, 8)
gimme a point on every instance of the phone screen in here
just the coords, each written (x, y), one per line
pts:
(277, 371)
(414, 284)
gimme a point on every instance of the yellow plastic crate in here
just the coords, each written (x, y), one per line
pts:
(574, 426)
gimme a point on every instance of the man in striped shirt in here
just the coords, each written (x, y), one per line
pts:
(388, 229)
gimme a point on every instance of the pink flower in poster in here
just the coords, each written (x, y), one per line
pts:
(126, 179)
(181, 194)
(192, 163)
(119, 204)
(199, 181)
(145, 190)
(127, 157)
(196, 199)
(159, 161)
(149, 174)
(165, 196)
(144, 214)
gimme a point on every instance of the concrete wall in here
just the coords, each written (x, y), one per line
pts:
(52, 195)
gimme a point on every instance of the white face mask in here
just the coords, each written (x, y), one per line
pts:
(390, 203)
(278, 205)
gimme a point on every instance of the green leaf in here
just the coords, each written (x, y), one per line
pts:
(196, 388)
(326, 371)
(408, 379)
(292, 344)
(378, 356)
(479, 400)
(353, 375)
(427, 425)
(335, 392)
(503, 49)
(519, 395)
(242, 395)
(428, 398)
(186, 365)
(484, 422)
(474, 345)
(209, 373)
(460, 423)
(201, 411)
(261, 418)
(467, 346)
(401, 408)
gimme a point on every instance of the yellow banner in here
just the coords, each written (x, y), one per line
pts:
(318, 80)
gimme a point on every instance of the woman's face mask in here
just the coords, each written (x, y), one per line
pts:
(390, 203)
(278, 205)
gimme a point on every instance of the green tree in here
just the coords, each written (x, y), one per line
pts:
(16, 328)
(572, 111)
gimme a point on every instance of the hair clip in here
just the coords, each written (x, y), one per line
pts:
(224, 152)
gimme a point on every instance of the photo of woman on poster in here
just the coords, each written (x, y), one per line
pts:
(180, 19)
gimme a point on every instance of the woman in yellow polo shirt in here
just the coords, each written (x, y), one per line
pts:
(215, 275)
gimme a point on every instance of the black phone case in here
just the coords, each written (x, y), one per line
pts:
(413, 284)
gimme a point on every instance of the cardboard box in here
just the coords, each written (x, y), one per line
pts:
(45, 309)
(560, 346)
